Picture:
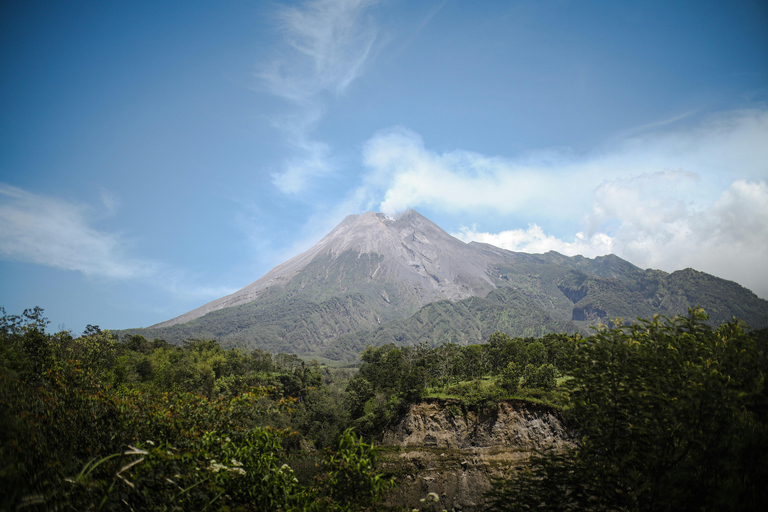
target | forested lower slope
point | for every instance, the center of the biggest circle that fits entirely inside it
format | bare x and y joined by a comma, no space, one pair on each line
579,303
98,421
670,414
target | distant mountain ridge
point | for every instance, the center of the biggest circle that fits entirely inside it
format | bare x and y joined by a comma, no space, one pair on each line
375,279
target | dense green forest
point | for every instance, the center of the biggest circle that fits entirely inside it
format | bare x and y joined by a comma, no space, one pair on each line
670,414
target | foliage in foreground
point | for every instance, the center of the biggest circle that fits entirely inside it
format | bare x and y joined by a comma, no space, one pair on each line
75,437
672,416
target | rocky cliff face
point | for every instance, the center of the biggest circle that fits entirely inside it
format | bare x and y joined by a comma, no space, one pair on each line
440,448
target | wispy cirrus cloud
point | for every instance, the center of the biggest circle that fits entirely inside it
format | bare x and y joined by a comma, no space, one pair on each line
691,197
324,48
59,234
109,200
311,159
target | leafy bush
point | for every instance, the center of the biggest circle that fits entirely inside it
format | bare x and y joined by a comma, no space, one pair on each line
541,377
672,416
86,425
510,377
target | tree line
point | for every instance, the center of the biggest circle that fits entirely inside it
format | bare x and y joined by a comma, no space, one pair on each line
670,414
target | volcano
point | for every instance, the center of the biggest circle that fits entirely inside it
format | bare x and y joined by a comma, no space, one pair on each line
376,279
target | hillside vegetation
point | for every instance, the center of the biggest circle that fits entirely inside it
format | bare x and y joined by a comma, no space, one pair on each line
552,300
671,415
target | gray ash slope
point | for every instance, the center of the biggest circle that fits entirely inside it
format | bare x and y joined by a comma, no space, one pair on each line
422,261
375,280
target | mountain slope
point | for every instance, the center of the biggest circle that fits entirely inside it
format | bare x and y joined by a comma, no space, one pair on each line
366,254
522,311
375,279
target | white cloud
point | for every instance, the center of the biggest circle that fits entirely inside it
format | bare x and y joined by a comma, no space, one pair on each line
693,197
558,183
411,175
729,238
326,44
58,234
534,240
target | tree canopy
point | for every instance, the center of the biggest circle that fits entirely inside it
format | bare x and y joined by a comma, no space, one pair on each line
671,415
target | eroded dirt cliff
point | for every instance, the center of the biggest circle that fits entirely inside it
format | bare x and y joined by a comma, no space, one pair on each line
439,447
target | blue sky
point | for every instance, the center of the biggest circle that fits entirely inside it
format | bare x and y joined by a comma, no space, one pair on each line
158,155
